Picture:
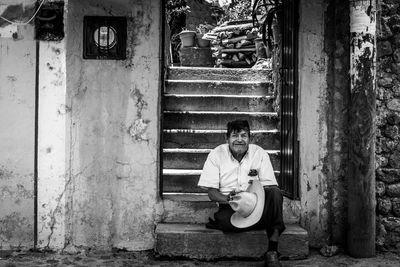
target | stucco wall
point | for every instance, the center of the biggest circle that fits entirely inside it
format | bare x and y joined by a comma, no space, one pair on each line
337,47
312,123
113,106
323,119
17,120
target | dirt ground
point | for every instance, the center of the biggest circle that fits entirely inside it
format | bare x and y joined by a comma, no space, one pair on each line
147,258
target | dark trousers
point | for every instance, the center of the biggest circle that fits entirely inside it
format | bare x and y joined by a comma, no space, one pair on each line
271,219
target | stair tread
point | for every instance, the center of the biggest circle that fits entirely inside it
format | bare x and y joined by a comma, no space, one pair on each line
203,150
216,81
187,228
196,241
214,131
217,95
266,113
189,197
186,171
211,68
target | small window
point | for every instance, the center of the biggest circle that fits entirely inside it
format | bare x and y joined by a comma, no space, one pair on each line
104,37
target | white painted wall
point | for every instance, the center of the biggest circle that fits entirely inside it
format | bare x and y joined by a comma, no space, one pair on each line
17,122
312,122
112,198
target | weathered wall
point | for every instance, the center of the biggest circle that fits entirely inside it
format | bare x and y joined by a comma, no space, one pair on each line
312,122
388,123
337,47
17,120
112,198
323,118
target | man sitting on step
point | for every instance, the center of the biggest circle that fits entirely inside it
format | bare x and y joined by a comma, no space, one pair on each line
240,178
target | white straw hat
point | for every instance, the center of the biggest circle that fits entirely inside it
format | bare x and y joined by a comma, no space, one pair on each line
248,206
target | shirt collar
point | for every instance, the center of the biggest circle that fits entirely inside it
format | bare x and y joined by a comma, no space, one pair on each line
233,158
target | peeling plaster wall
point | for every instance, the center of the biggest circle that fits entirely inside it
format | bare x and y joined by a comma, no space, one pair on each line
17,120
337,47
313,128
112,196
324,97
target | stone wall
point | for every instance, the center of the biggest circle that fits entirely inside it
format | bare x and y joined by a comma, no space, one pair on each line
388,123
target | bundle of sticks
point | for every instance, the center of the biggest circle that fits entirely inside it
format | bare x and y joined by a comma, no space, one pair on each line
233,43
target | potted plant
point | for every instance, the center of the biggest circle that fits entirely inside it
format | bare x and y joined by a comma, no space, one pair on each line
201,30
187,38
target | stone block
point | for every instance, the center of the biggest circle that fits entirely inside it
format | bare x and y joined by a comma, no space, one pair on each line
384,49
386,82
396,206
393,22
384,206
388,145
219,74
381,161
396,40
391,131
393,190
394,159
396,55
196,57
394,104
393,118
388,175
380,188
385,31
197,242
392,239
391,224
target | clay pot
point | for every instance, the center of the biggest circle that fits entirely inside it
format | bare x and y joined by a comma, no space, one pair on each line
202,42
187,38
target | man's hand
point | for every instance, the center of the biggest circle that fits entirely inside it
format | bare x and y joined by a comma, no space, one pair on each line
231,195
216,195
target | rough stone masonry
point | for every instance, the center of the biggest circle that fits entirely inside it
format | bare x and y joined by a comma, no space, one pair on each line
388,123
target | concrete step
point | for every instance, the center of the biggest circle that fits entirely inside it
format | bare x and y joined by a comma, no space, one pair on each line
203,120
227,74
220,87
184,102
179,158
197,242
185,180
195,208
182,138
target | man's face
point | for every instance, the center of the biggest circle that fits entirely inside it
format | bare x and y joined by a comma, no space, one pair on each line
239,142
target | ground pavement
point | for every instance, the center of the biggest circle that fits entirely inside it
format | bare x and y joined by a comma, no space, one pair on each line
146,258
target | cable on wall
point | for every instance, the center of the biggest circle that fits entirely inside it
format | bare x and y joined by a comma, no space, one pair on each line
27,22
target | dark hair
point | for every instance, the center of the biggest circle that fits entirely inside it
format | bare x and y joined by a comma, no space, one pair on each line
237,126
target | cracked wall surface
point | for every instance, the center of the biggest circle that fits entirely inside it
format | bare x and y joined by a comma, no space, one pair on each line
313,129
111,199
17,120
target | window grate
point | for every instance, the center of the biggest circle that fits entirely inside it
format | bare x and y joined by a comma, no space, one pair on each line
289,181
104,37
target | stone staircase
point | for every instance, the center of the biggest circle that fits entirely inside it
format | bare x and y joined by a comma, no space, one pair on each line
198,103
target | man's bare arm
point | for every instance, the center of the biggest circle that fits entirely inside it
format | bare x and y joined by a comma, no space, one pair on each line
216,195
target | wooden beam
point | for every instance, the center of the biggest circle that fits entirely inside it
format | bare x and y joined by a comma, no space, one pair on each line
361,176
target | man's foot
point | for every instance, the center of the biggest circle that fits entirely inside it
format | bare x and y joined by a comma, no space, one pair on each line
271,259
212,224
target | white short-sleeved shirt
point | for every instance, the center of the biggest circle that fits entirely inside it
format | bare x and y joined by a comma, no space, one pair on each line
222,171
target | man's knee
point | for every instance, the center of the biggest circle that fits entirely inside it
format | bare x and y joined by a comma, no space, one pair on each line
273,193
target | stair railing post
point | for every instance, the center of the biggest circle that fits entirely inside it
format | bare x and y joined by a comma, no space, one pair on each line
361,174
